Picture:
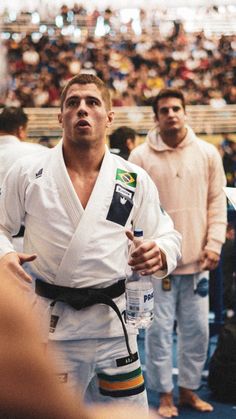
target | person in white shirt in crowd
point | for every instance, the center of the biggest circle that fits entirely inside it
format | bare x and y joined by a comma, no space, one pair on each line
13,132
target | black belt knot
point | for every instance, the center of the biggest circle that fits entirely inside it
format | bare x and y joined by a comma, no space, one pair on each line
80,298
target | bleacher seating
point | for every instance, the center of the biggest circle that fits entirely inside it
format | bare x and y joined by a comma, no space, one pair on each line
203,119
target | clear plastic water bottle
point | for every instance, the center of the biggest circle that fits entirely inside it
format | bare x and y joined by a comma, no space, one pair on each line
138,292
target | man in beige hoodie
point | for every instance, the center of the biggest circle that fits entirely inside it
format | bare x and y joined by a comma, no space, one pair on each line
189,175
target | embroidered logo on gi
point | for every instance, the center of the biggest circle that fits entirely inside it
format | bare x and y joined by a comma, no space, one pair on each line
53,323
39,173
124,192
127,178
127,360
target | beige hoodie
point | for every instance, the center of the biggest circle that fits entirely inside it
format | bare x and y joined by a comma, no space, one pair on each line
189,179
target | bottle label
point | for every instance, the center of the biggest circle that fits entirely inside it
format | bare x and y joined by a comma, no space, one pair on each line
139,300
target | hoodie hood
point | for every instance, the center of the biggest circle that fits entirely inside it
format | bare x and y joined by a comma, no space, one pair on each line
155,141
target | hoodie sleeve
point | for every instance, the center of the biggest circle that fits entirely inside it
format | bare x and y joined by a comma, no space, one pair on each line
216,206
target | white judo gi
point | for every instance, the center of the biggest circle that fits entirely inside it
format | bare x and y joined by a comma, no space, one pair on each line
11,150
79,248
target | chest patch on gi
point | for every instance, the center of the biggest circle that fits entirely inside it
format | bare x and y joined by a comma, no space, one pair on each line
121,205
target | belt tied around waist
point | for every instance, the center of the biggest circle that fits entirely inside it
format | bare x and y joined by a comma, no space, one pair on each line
79,298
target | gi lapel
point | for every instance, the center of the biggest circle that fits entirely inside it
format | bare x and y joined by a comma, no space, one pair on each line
85,220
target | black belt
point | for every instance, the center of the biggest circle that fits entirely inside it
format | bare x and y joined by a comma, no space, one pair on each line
79,298
20,232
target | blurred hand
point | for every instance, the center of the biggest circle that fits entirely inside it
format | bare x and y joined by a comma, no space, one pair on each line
11,265
147,257
209,260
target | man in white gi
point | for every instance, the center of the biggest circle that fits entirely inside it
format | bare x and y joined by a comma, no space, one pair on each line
77,202
189,176
13,129
25,368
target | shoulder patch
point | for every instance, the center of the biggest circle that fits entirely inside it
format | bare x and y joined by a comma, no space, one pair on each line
128,178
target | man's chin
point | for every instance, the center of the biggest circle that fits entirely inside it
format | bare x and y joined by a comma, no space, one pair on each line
172,129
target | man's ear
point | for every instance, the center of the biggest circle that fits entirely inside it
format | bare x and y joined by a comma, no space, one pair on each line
155,118
21,132
60,119
130,143
110,118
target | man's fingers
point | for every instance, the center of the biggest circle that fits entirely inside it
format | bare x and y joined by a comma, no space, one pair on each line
24,257
147,266
129,234
12,262
150,267
144,252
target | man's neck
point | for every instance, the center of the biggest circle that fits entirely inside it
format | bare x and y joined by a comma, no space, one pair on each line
83,166
83,160
4,133
173,138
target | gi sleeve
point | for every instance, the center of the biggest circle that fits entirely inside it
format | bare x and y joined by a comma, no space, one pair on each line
11,208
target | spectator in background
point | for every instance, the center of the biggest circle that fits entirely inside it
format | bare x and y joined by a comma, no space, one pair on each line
136,67
13,131
189,175
122,141
228,271
228,152
45,141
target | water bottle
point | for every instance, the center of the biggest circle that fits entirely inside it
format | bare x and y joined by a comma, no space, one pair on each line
138,292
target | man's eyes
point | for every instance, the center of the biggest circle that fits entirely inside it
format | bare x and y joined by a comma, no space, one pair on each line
89,102
93,102
166,110
72,102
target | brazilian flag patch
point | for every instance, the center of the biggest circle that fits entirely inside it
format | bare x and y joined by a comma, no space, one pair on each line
129,179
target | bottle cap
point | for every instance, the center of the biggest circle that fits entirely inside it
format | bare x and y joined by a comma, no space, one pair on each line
138,232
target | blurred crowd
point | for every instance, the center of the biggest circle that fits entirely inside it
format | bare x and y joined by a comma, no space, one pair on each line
227,149
131,60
